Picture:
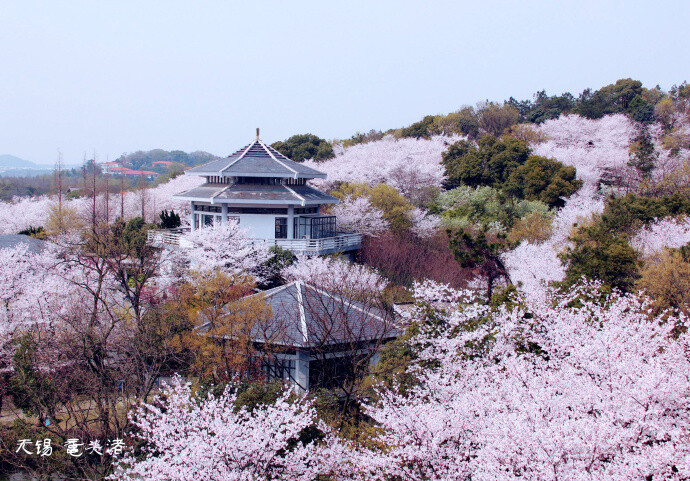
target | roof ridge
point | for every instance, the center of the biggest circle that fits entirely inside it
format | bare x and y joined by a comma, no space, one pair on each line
261,142
240,157
296,194
302,314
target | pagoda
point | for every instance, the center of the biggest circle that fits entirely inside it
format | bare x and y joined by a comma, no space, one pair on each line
267,194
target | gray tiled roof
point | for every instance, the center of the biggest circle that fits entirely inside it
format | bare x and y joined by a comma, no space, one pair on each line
306,316
252,193
35,245
257,160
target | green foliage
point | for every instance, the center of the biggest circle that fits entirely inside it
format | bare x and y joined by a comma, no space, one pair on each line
542,179
280,259
130,237
485,207
256,394
489,163
360,138
495,119
169,220
600,253
506,164
305,146
643,155
482,253
627,214
394,205
507,296
32,391
462,122
601,249
641,110
37,232
611,99
419,130
143,160
543,107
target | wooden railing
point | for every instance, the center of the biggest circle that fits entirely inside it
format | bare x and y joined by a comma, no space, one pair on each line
341,242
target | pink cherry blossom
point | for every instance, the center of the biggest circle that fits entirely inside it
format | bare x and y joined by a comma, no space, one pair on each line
602,393
210,439
223,246
666,233
386,160
334,274
358,215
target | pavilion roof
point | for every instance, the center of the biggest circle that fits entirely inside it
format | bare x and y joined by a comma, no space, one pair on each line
257,194
256,160
307,316
34,245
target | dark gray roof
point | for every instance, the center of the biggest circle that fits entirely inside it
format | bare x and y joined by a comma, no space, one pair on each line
306,316
257,160
259,194
35,245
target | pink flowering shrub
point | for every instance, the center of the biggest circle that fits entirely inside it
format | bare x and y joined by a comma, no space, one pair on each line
405,163
223,246
358,215
24,212
334,274
191,439
596,391
666,233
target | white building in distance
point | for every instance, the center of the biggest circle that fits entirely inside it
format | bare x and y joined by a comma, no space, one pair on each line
267,193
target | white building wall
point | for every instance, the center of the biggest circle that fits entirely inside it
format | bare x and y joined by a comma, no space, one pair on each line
260,226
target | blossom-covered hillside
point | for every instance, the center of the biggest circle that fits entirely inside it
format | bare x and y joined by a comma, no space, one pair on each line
26,212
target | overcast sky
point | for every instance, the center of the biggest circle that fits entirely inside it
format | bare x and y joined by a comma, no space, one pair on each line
120,76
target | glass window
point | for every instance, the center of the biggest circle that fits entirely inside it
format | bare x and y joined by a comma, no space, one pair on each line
315,227
281,227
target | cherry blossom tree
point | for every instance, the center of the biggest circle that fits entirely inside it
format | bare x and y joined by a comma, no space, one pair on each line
334,274
424,225
389,160
548,390
186,438
224,246
666,233
358,215
24,212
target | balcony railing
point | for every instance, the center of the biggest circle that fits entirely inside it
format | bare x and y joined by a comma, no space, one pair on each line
342,242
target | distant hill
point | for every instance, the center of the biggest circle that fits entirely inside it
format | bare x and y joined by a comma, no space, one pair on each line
12,162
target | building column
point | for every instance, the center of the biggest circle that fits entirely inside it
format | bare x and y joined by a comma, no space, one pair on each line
192,217
291,222
302,372
224,214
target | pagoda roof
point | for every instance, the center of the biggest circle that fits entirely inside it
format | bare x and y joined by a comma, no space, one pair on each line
257,194
256,160
308,316
34,245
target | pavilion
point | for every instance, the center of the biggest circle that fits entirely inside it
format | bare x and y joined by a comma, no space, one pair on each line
315,337
267,193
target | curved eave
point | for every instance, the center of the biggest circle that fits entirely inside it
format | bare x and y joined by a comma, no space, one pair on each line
255,201
257,174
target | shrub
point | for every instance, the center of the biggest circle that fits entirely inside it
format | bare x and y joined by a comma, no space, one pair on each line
534,228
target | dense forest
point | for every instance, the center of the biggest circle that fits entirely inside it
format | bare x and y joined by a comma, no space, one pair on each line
534,255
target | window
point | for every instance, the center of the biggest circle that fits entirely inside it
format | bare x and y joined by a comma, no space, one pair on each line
281,227
278,370
315,227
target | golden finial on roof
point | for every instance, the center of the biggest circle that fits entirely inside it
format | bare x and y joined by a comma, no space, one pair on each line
257,133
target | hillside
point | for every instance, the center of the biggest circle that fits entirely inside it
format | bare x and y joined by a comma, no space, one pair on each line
12,162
